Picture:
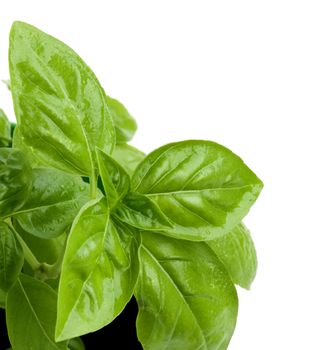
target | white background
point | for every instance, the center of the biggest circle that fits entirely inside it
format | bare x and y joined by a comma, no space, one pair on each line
236,72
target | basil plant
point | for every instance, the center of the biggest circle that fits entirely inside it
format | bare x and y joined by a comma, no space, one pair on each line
88,221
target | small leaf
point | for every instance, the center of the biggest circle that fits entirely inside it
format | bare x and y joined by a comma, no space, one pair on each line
31,315
125,124
11,258
53,202
76,344
237,253
128,156
5,130
203,188
115,180
185,296
59,104
15,180
99,271
139,211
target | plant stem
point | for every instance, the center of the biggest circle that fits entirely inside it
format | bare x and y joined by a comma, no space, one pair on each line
28,254
93,185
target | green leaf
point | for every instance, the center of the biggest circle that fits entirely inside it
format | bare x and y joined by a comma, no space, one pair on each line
53,202
59,104
5,130
15,180
11,258
203,188
115,180
45,250
128,156
3,296
139,211
237,253
125,124
185,296
99,271
31,315
76,344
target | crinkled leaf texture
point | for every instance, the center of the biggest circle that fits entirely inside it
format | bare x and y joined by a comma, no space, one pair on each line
15,180
31,315
128,156
185,296
60,106
203,188
99,271
237,252
54,200
11,258
125,124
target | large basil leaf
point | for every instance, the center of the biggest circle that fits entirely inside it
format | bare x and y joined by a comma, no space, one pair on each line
11,257
31,315
5,130
128,156
115,180
125,124
185,296
53,202
236,251
139,211
99,271
15,180
59,103
202,187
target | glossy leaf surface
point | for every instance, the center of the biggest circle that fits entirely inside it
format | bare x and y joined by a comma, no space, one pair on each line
185,296
115,180
59,104
31,315
125,124
202,187
236,251
99,272
5,130
11,257
53,202
128,156
140,211
15,180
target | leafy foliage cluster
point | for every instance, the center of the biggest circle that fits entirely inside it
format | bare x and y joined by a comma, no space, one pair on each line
88,220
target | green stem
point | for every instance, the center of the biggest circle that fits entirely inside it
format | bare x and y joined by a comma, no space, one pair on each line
28,254
93,186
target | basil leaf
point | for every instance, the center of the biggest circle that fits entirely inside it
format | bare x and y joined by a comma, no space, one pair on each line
128,156
3,297
11,257
5,130
15,180
76,344
45,250
53,202
201,301
125,124
31,315
139,211
29,152
115,180
99,271
59,104
203,188
237,253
